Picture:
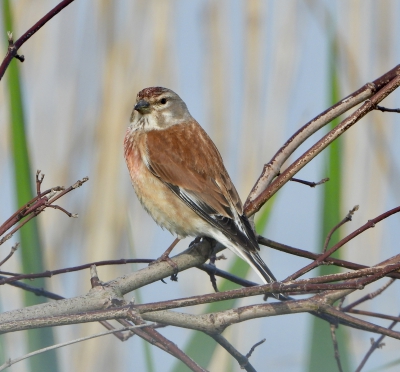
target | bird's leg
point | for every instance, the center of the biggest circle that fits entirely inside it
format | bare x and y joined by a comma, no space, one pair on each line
165,256
213,253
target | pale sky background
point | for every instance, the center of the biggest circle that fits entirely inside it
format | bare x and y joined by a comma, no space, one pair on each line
251,73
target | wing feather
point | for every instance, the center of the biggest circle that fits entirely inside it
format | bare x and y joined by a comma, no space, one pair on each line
185,159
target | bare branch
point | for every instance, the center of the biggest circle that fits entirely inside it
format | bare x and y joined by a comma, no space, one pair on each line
366,226
171,348
375,315
385,109
12,251
335,346
13,47
367,297
376,344
16,360
348,218
36,206
248,355
313,256
273,168
257,199
241,359
308,183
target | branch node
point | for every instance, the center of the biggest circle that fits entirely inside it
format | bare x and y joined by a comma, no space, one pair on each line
15,247
351,212
12,251
79,183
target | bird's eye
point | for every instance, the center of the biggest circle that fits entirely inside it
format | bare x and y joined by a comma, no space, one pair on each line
163,101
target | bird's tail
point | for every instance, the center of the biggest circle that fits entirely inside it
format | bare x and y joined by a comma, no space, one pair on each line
257,263
261,268
254,259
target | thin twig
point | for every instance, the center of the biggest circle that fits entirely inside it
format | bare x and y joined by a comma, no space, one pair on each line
375,315
12,251
20,213
385,109
171,348
35,206
16,360
348,218
366,226
241,359
358,323
335,346
13,47
39,181
308,183
375,345
248,355
313,256
368,296
35,290
49,274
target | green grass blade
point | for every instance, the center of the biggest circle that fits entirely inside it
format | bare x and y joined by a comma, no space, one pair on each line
200,347
29,236
321,356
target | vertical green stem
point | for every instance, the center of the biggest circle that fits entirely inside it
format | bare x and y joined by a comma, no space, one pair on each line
31,253
321,348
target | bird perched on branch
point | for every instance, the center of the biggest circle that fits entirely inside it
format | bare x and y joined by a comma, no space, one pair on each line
180,179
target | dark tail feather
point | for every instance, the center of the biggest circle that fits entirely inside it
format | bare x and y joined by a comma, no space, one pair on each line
263,269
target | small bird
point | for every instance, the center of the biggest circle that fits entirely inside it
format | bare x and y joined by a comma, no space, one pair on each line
180,178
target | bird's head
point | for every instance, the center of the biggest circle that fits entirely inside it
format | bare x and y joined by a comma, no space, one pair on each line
158,108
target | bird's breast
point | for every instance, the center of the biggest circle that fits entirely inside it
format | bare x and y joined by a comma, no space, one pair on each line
157,199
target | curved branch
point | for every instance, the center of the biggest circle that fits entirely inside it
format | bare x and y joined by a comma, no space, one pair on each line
254,205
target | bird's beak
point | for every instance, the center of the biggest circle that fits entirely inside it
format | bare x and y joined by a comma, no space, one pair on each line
142,106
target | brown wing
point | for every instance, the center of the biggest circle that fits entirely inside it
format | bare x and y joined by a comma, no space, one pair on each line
185,159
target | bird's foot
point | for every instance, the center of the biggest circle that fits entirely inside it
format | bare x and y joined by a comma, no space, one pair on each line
165,258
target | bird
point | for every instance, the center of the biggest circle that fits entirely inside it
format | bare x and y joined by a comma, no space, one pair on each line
180,179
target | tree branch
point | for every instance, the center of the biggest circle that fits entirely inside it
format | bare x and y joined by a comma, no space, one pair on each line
13,47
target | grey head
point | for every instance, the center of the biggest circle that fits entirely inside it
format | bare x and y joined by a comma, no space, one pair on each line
158,108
